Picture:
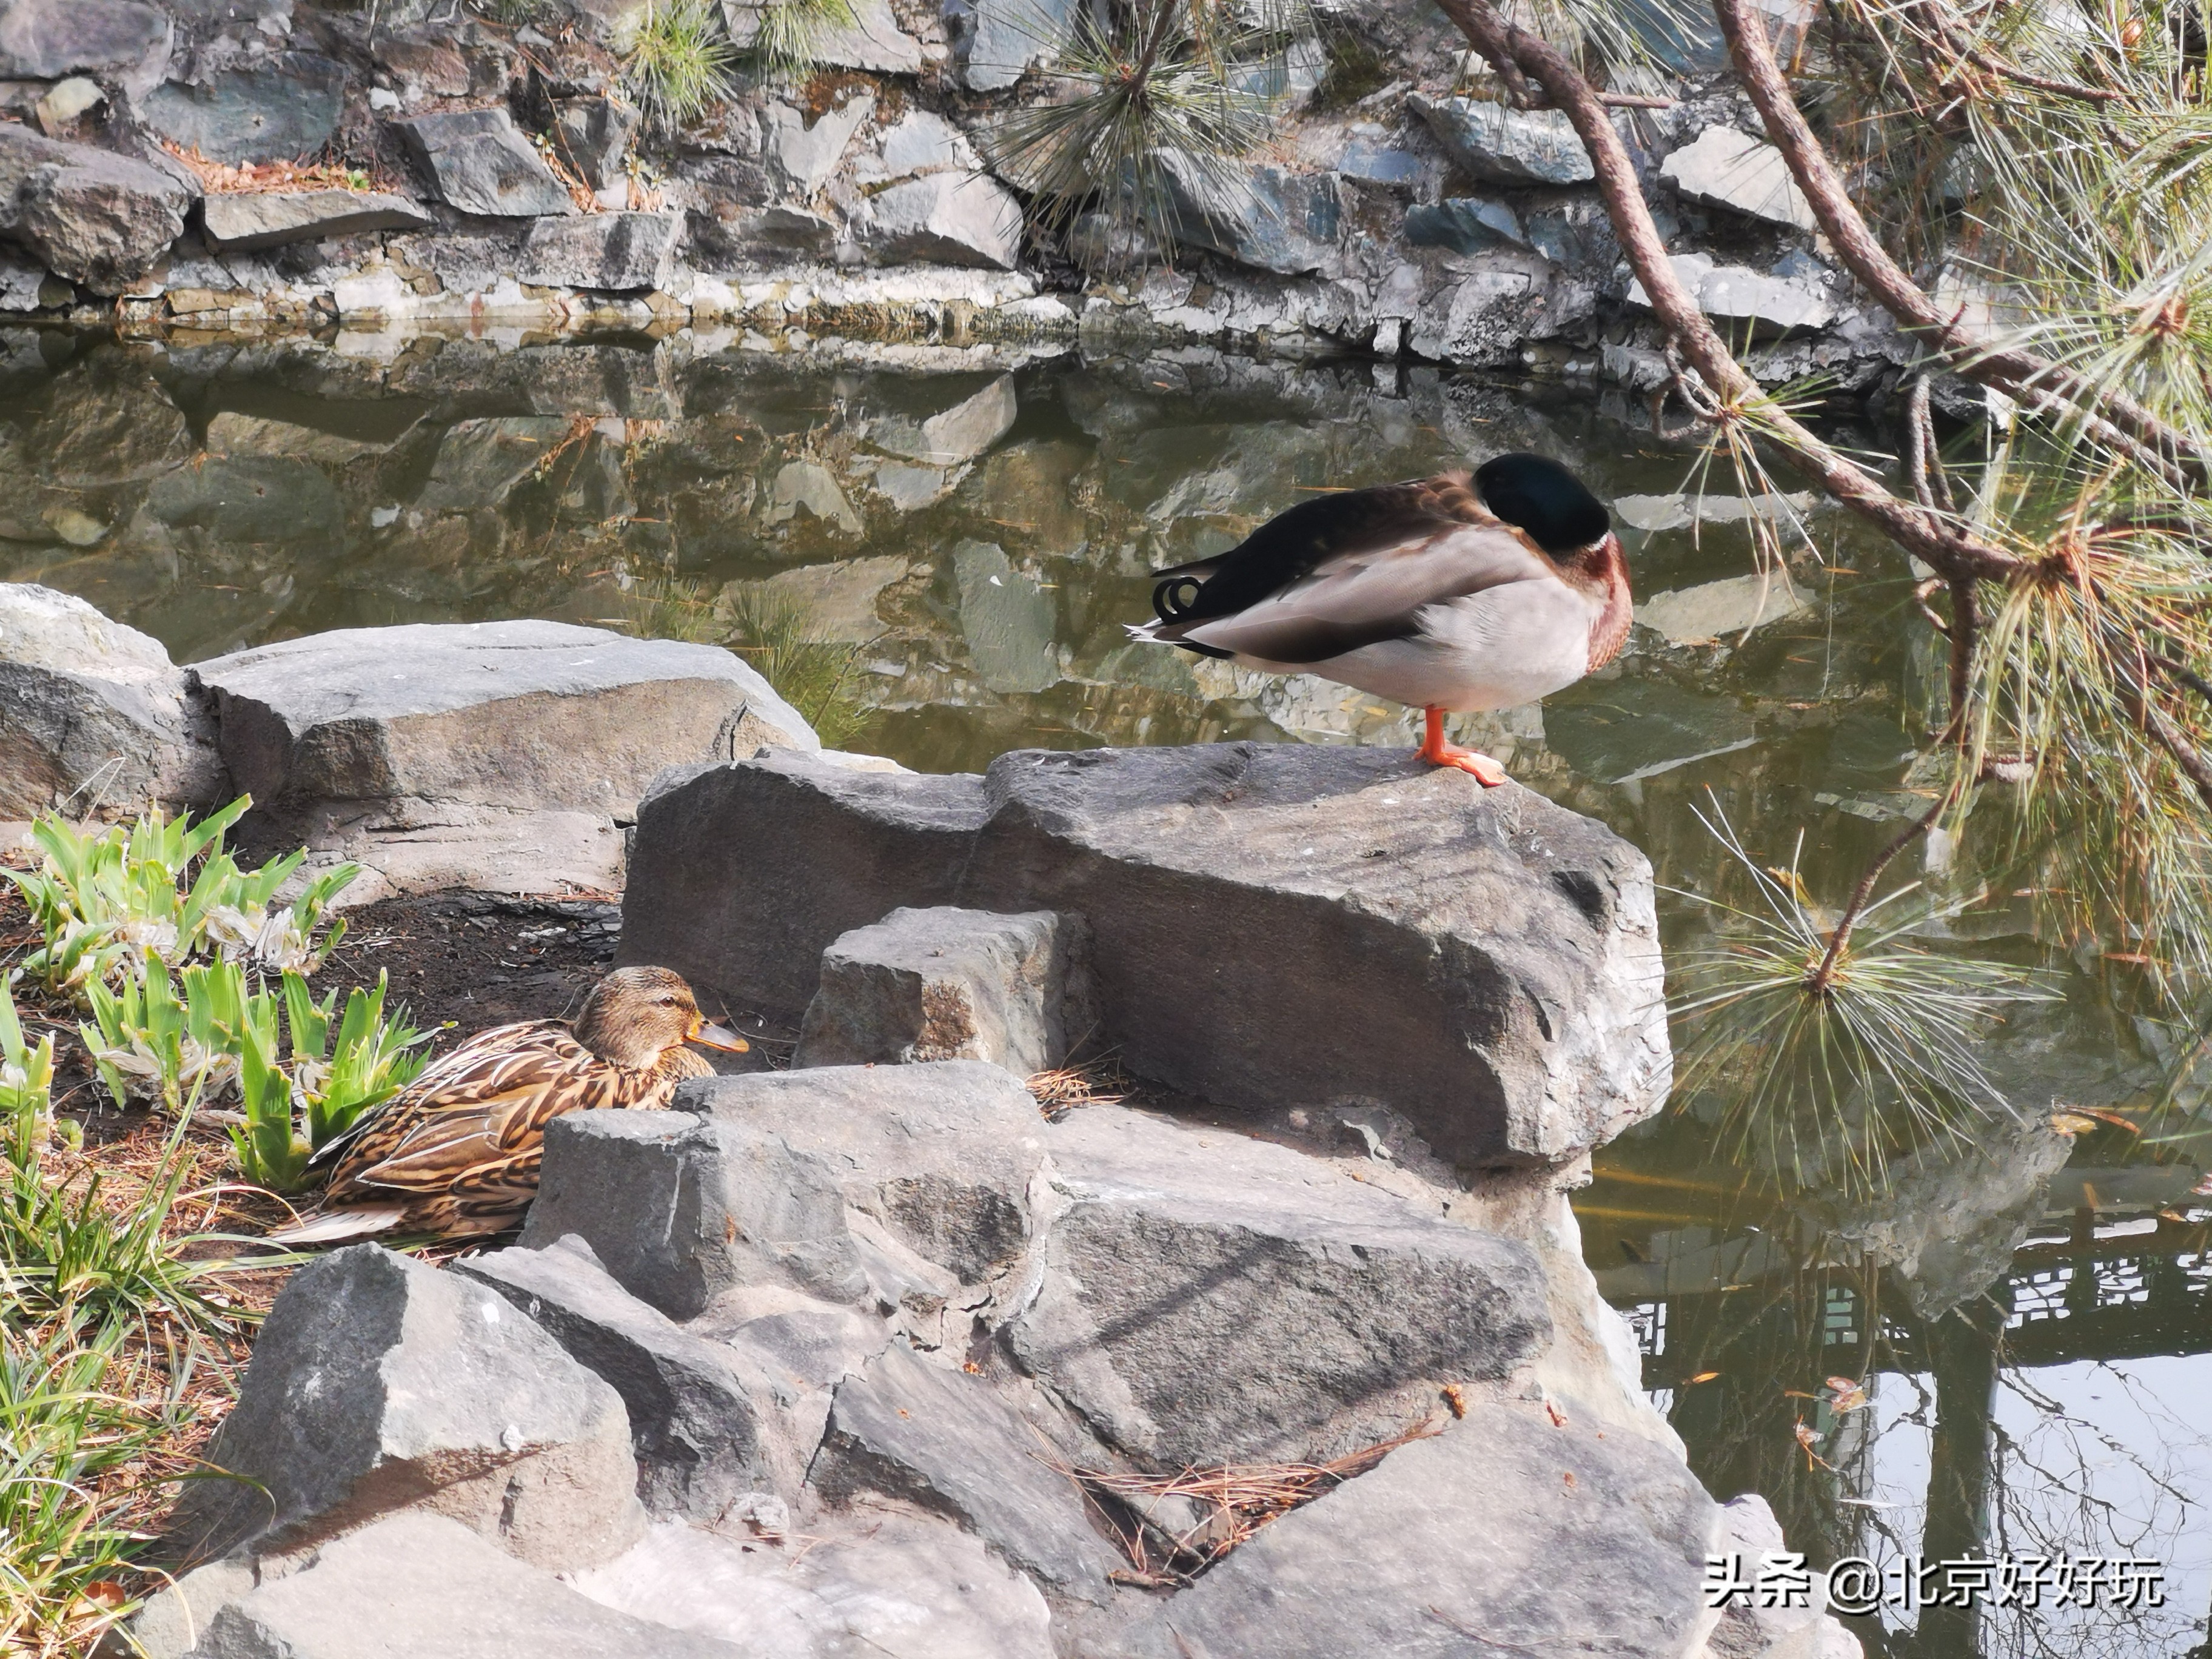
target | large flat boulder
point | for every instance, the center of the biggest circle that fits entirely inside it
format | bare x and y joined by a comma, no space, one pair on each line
379,1383
95,721
480,754
89,216
239,222
423,1587
1273,928
900,1188
1207,1299
1506,1534
477,162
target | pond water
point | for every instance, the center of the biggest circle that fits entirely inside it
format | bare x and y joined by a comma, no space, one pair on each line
2031,1319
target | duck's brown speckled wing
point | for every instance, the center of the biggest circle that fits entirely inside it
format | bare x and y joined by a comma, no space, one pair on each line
460,1146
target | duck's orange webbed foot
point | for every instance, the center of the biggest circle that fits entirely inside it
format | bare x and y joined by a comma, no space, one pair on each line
1435,750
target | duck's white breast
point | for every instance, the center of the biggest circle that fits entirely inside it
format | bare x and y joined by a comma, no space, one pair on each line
1496,649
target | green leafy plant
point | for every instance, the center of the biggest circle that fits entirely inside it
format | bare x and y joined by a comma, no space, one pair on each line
271,1151
164,1039
679,63
27,1087
103,902
371,1058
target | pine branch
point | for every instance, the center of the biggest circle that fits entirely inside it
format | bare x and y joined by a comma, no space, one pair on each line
1521,57
2116,419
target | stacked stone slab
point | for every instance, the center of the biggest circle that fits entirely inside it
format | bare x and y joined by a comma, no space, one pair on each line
1272,927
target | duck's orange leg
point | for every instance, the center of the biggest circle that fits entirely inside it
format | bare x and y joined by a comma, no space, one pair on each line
1435,750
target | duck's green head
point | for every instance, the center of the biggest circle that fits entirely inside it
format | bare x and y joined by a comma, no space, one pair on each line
1536,494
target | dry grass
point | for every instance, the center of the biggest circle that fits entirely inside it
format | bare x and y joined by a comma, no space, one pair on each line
1094,1083
1232,1501
222,179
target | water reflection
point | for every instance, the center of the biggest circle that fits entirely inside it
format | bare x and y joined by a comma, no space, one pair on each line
2030,1316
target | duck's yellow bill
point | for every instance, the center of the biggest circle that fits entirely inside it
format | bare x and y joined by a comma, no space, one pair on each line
721,1037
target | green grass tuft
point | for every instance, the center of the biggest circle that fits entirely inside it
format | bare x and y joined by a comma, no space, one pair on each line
678,64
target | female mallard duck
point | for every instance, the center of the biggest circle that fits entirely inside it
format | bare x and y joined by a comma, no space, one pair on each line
1456,592
456,1151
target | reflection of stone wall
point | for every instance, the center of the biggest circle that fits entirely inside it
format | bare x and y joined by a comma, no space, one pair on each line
496,175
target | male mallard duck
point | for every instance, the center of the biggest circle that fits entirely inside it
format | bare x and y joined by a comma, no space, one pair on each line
456,1151
1456,592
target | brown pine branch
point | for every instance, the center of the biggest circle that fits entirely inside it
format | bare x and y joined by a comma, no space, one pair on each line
1528,57
2116,419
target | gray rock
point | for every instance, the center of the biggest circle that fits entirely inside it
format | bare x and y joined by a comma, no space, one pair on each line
1508,146
1463,224
88,215
1486,318
917,142
616,251
1004,40
944,1441
28,287
1007,618
46,40
280,108
944,218
175,1617
379,1383
955,433
951,984
1504,1534
1774,305
776,235
595,136
1206,1298
1727,169
1746,1527
1499,978
421,1587
895,1583
696,1418
875,840
242,221
477,162
806,154
861,1185
1286,222
811,486
94,718
515,714
1374,162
